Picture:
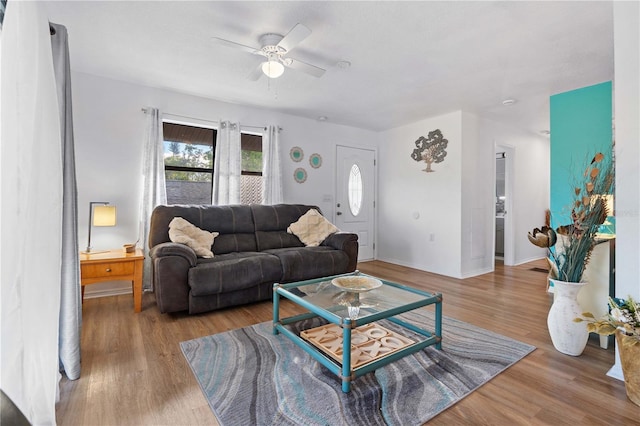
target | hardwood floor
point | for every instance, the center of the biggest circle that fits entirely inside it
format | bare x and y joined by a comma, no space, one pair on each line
133,372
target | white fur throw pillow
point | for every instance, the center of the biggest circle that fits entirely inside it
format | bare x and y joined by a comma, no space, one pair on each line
312,228
184,232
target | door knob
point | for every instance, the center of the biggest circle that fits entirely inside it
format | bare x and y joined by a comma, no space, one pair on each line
338,213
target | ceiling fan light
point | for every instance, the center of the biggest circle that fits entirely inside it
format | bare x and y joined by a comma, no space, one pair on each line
272,69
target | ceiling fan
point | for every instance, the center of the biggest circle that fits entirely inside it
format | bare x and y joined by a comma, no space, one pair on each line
275,48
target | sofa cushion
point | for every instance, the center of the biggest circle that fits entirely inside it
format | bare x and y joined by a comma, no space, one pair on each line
184,232
271,225
229,243
277,217
312,228
233,271
208,303
276,239
234,223
304,263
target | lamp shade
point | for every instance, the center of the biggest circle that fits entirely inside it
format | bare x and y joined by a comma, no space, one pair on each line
272,69
104,216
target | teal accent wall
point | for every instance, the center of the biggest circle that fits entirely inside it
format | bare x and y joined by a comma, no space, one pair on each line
580,127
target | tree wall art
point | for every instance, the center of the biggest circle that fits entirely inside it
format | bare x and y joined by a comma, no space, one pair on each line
431,149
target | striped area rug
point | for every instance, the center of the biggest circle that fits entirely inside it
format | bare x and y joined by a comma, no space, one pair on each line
251,377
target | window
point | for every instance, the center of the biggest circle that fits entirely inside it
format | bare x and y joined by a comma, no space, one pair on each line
251,179
354,188
188,163
3,7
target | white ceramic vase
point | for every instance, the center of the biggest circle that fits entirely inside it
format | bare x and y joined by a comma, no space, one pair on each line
568,336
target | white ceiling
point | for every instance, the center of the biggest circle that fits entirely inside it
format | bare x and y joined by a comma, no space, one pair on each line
410,60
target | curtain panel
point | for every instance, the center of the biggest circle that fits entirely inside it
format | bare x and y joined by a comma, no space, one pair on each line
70,292
227,165
154,190
31,214
271,166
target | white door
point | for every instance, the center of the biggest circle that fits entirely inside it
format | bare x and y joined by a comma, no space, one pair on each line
355,196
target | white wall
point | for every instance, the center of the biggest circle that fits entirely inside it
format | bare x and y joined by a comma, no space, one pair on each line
454,233
529,182
627,147
109,129
478,195
626,89
432,240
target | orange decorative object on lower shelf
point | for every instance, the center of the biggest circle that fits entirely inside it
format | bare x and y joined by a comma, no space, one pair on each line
368,342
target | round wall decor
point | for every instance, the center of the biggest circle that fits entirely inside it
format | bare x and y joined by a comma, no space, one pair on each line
296,154
315,160
300,175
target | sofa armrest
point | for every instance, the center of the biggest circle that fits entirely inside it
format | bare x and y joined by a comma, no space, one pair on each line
347,242
339,240
174,249
171,264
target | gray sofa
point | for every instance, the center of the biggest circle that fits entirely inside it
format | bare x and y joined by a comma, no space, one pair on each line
252,252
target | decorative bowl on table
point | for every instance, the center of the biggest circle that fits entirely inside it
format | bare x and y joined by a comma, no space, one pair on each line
356,284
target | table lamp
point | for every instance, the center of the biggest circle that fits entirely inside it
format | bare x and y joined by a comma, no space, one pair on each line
101,215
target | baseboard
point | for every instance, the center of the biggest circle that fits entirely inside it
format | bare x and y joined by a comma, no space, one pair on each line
616,370
115,288
532,259
478,272
413,266
106,293
402,263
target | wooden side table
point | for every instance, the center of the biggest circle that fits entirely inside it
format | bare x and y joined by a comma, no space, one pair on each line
114,265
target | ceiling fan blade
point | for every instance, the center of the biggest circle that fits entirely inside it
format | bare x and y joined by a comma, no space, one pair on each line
293,37
235,45
256,73
304,67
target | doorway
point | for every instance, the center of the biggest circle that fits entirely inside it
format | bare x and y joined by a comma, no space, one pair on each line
504,234
355,196
500,204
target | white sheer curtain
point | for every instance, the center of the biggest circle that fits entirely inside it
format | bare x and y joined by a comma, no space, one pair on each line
271,166
70,293
154,190
31,190
228,165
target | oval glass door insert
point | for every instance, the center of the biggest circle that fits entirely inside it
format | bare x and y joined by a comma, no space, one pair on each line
354,188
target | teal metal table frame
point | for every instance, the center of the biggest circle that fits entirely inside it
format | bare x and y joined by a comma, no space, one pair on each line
408,300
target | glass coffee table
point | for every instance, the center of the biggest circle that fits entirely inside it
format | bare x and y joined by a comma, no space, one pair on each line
352,344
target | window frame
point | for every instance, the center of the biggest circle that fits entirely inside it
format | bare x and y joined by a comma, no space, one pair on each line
172,168
188,169
247,172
